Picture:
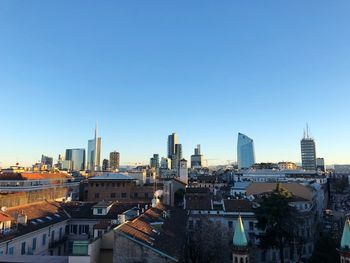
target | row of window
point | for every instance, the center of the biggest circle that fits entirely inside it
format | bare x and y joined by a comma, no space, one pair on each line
78,229
33,243
123,195
230,224
107,184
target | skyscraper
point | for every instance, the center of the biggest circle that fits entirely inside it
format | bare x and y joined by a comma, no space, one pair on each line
172,141
154,162
77,156
177,156
114,160
245,151
94,152
308,151
105,165
197,158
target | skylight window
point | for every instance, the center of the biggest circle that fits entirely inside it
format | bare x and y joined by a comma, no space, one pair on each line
33,222
40,220
49,217
57,215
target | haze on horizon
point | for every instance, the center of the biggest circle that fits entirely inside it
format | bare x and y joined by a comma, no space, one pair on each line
202,69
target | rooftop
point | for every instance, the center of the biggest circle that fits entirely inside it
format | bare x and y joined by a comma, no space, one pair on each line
298,190
112,176
163,233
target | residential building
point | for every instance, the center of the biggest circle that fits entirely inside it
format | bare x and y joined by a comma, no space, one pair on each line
77,157
158,235
114,160
287,166
183,171
245,152
116,186
45,160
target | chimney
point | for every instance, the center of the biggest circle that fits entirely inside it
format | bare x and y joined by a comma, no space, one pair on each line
121,218
22,219
146,207
154,202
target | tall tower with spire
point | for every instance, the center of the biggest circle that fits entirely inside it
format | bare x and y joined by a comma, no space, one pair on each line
345,243
94,152
240,251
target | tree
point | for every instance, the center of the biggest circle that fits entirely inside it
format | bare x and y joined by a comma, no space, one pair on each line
208,243
276,219
325,251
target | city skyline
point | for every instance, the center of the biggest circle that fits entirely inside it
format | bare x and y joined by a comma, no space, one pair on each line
147,71
210,161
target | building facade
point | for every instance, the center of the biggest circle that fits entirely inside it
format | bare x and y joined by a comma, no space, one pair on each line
94,153
77,156
245,152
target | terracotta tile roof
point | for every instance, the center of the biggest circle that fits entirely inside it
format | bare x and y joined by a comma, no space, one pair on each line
33,176
4,217
39,215
298,190
104,224
164,234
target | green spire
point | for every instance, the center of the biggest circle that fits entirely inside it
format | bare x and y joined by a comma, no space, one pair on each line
239,238
345,239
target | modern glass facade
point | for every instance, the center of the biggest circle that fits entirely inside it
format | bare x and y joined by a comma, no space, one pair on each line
77,156
94,153
245,152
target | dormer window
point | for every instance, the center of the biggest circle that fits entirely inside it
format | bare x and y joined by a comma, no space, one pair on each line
99,211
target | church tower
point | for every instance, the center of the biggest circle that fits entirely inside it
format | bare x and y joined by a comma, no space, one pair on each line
240,252
345,243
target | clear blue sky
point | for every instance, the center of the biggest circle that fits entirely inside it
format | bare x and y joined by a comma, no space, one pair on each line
204,69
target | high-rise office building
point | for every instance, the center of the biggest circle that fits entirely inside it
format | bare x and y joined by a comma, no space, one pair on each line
114,160
94,152
245,151
197,158
105,165
45,160
172,141
320,165
177,156
165,163
77,156
154,162
308,151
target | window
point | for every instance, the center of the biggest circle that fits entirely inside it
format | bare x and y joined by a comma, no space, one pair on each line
135,194
53,236
34,243
123,195
102,184
96,185
112,195
74,229
190,224
44,240
97,195
11,250
60,234
251,225
23,248
99,211
113,184
83,229
230,224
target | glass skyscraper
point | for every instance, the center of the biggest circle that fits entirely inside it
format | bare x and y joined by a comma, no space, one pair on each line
245,152
77,156
94,153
